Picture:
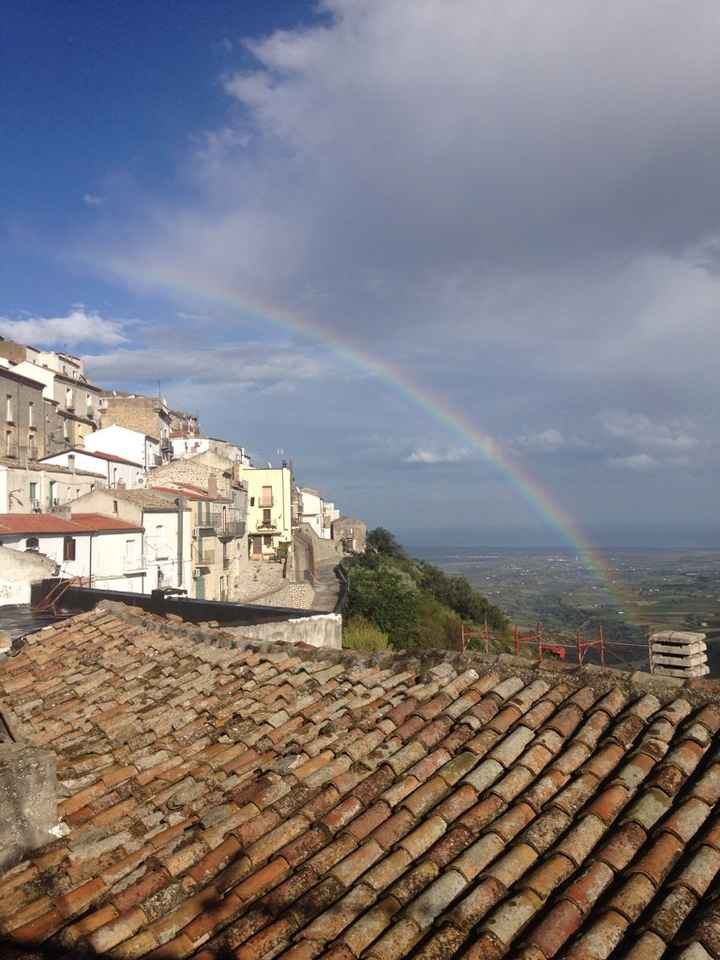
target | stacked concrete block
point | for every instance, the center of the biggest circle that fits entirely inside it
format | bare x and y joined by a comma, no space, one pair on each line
676,653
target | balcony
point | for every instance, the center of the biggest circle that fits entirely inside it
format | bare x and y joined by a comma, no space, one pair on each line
231,529
226,563
209,521
268,526
134,564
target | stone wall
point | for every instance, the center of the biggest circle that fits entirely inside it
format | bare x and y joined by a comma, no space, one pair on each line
193,471
323,630
135,413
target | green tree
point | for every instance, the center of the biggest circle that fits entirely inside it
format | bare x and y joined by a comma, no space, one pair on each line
383,542
381,596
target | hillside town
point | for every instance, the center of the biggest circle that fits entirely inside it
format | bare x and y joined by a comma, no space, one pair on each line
115,490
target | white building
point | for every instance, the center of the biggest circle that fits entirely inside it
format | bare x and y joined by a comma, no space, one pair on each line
165,559
131,445
43,487
185,446
116,471
102,551
312,511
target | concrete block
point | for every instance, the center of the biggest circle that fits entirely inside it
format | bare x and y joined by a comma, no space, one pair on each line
28,801
699,646
696,660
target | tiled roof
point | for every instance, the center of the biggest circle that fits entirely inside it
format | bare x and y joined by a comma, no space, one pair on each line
149,499
246,800
50,523
98,454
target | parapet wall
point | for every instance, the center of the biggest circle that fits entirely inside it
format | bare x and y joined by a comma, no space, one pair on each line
323,630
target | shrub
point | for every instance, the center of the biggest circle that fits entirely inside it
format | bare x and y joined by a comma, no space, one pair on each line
361,634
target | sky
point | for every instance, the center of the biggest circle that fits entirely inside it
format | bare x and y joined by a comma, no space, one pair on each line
316,224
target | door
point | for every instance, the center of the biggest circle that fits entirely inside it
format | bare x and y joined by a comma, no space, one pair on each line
200,588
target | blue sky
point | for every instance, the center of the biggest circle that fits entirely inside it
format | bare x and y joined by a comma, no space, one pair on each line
516,207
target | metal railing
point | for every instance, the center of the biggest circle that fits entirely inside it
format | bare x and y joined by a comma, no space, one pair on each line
209,521
231,529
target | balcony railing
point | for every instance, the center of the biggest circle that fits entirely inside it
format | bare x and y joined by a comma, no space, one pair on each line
206,558
231,529
134,564
209,521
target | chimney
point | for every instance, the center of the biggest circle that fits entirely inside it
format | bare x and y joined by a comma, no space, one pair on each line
28,798
212,486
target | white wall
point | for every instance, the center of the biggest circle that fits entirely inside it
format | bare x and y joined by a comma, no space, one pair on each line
18,572
160,542
99,557
130,444
184,447
114,473
312,510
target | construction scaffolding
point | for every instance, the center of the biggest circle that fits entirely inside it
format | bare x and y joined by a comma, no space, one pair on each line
528,641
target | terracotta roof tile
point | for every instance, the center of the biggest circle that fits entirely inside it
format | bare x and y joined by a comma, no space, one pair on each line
286,803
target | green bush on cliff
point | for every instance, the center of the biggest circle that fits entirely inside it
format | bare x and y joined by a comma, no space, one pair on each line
414,603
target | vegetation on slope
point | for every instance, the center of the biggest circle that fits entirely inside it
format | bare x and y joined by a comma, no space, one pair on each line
409,602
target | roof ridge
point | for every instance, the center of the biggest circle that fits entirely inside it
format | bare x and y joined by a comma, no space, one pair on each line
637,682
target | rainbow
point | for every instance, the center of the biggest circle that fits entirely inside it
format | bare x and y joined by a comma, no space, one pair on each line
438,408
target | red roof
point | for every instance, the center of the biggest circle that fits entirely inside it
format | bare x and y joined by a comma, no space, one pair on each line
33,523
96,453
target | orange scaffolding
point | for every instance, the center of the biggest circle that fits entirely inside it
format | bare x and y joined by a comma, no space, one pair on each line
538,638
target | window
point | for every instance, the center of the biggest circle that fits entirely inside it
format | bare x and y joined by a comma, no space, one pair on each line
267,518
115,506
266,499
9,447
33,492
267,541
32,544
69,548
66,430
31,414
9,408
252,501
69,401
51,494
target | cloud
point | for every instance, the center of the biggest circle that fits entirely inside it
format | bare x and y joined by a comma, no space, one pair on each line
546,441
80,325
452,455
250,366
643,430
639,462
93,200
508,202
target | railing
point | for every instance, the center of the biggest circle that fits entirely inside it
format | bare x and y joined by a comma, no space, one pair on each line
133,564
226,563
209,521
231,529
267,525
206,558
11,450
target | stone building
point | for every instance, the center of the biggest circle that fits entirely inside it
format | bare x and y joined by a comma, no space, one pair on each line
184,424
351,532
70,399
25,426
148,415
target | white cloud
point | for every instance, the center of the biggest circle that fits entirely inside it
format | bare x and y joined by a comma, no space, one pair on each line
638,462
80,325
643,430
452,455
251,365
93,200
